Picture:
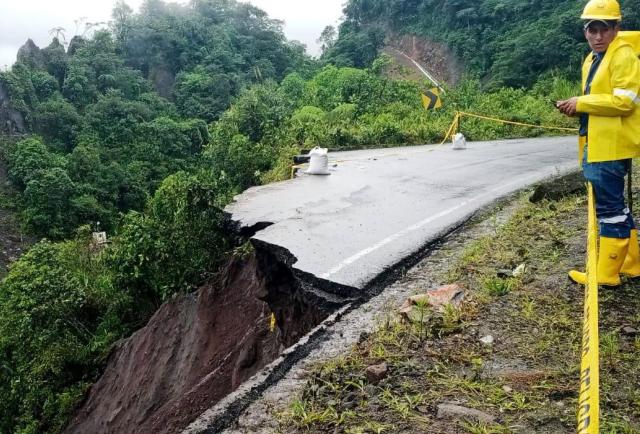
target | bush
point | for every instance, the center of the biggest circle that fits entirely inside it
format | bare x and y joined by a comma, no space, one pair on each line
28,157
179,238
59,316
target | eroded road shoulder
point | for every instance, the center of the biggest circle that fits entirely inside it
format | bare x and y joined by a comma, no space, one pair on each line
262,416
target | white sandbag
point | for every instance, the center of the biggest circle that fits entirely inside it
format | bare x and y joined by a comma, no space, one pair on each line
319,162
459,142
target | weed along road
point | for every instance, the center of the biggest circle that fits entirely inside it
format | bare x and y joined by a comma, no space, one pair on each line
378,207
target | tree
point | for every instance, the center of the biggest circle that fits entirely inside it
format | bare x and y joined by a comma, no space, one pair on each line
58,122
27,158
327,38
113,121
203,95
170,248
122,23
47,203
59,316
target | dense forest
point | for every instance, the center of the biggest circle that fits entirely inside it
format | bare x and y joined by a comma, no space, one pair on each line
146,129
503,42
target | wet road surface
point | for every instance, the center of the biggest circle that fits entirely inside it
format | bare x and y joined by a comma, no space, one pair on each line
380,206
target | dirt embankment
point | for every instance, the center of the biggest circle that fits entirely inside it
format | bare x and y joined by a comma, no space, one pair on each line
435,57
199,347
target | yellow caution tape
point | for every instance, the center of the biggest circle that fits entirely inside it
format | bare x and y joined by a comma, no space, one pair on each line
272,322
589,403
455,126
546,127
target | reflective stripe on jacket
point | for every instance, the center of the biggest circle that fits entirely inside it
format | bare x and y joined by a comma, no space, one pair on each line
612,105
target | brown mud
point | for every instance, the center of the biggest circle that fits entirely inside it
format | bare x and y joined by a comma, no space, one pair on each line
199,347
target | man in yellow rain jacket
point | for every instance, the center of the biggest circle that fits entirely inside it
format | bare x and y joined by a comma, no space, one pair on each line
609,137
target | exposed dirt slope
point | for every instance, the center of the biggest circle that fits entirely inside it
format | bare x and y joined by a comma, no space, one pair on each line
435,57
198,348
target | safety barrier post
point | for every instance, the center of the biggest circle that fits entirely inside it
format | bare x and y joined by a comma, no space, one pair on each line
589,403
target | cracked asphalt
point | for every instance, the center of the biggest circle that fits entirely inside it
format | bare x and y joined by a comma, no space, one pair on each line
378,207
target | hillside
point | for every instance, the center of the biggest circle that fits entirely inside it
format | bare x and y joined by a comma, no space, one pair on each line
12,241
506,43
146,130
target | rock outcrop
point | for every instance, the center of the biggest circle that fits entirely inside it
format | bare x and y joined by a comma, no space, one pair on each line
31,55
11,120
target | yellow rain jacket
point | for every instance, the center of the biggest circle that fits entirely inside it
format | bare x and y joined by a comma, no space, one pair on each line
614,102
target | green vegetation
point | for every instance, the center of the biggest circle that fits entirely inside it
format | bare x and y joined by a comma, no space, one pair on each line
63,305
147,130
506,42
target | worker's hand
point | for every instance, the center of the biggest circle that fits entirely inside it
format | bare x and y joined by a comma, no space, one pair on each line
568,106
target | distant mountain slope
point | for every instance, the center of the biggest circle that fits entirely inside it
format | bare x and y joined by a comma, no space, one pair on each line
435,57
506,42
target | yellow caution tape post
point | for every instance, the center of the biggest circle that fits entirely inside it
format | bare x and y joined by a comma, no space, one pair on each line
455,125
589,403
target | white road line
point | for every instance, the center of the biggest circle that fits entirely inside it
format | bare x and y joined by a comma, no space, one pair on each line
361,254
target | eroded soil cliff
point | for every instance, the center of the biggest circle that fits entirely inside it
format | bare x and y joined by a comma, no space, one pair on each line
199,347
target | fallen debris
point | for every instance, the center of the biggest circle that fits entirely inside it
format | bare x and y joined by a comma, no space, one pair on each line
376,373
487,340
564,186
629,331
452,411
437,299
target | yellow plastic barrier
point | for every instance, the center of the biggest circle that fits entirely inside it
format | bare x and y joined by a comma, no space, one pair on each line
589,403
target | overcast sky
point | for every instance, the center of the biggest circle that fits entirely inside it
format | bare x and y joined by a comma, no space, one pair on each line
23,19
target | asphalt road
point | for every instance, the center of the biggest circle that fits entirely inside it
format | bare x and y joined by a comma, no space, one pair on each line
380,206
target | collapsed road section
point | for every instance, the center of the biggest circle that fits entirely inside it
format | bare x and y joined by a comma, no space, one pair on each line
376,211
200,347
317,244
379,206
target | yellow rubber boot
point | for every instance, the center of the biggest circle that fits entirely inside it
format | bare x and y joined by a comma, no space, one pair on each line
611,256
631,265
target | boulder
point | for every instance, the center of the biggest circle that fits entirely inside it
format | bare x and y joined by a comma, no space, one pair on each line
376,373
435,299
